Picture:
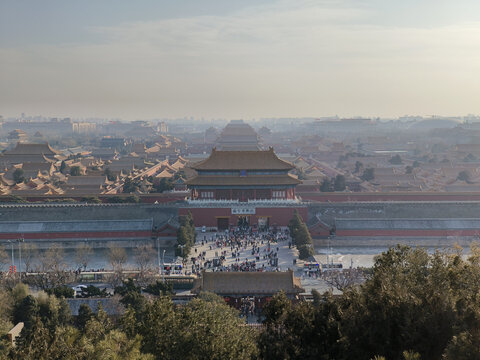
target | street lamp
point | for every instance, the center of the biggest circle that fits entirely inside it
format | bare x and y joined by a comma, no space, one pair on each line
158,254
183,259
163,262
20,241
13,259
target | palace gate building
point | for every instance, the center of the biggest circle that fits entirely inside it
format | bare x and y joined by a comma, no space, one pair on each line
235,188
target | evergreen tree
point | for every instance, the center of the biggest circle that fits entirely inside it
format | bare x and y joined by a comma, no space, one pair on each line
326,185
339,183
18,175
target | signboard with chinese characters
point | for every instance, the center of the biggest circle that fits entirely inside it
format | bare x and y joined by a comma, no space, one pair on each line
242,210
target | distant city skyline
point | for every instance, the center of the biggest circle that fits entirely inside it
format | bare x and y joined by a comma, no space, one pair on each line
232,60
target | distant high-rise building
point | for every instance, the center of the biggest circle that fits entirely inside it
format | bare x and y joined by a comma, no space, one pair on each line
163,127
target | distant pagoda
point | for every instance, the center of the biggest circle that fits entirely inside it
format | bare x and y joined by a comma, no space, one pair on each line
238,136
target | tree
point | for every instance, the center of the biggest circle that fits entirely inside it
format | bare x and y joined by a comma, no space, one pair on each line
301,174
408,303
339,184
29,255
91,200
163,185
117,258
4,258
83,254
116,345
294,224
302,236
18,175
305,251
464,176
160,288
62,291
143,259
63,167
395,160
301,331
183,242
326,185
211,297
7,302
464,346
408,169
130,186
368,174
344,279
198,330
26,311
109,174
414,306
84,315
93,291
134,199
358,167
51,270
132,297
75,171
185,235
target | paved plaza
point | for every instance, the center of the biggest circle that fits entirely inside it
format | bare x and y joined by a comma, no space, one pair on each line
238,255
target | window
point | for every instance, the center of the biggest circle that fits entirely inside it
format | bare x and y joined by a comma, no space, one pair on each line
278,194
243,172
207,194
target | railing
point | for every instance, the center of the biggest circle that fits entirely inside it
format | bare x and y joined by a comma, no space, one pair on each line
250,202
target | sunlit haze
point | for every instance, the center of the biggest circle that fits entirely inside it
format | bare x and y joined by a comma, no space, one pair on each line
248,59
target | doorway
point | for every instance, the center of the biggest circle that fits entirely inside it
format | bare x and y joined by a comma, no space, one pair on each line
223,223
243,222
263,223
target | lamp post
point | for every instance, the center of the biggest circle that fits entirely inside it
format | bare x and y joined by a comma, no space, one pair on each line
13,259
163,262
20,241
158,255
183,259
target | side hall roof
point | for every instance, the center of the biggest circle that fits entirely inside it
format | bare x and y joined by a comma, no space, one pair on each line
28,149
251,283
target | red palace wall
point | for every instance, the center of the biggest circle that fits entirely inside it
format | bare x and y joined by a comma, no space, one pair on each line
279,216
387,196
79,235
407,233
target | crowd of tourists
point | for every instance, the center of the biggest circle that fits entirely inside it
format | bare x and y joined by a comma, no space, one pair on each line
239,250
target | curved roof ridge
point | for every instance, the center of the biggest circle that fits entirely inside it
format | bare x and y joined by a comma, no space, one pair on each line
243,160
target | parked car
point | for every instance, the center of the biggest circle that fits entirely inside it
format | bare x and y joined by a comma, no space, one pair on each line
78,289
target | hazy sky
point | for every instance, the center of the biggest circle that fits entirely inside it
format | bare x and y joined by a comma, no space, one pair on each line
239,59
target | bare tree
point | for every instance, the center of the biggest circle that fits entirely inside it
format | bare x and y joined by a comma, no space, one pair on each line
52,270
83,254
344,279
143,258
117,258
29,255
4,259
